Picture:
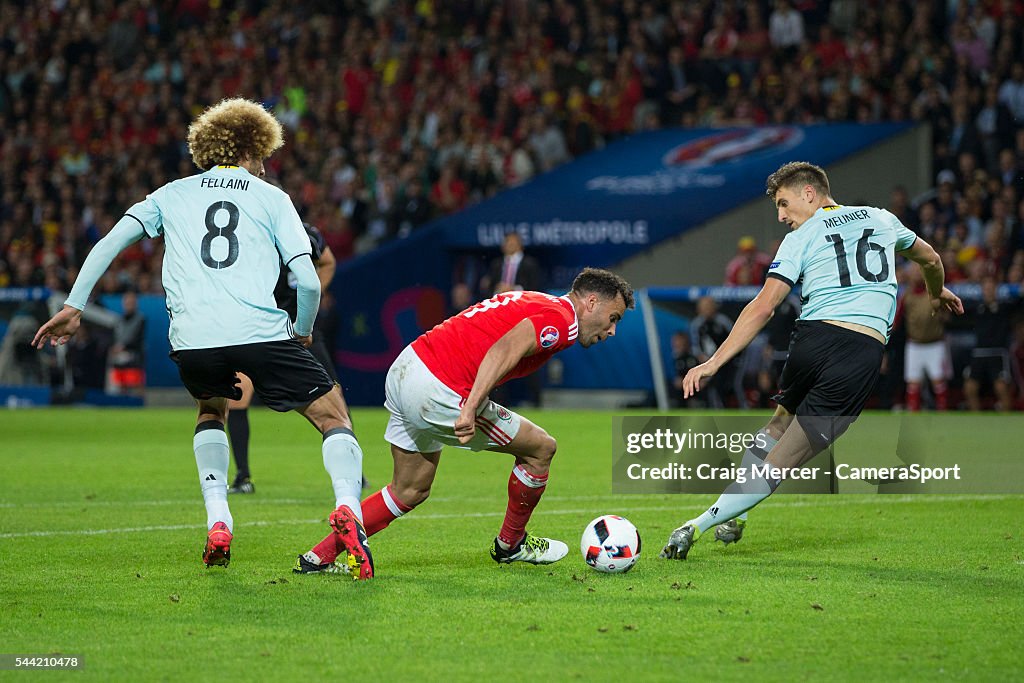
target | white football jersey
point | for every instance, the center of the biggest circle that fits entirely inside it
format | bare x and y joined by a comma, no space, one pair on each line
226,233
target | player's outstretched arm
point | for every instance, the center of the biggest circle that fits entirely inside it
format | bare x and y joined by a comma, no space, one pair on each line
925,256
58,329
516,344
61,327
752,320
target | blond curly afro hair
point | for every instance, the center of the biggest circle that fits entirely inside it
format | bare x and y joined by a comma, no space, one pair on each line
233,130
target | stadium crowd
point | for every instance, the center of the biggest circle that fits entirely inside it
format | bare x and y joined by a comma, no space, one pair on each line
399,111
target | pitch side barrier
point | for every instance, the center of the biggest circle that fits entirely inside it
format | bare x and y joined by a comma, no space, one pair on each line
737,297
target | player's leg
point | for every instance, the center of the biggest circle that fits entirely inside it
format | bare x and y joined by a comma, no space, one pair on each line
407,382
343,457
1002,382
210,445
972,389
210,378
743,494
343,460
842,367
533,449
913,375
286,376
938,370
238,433
323,355
764,441
422,411
411,480
796,375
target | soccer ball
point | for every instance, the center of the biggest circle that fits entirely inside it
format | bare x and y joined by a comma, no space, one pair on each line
610,544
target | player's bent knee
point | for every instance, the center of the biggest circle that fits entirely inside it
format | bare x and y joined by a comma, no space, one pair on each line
411,494
212,409
539,460
549,447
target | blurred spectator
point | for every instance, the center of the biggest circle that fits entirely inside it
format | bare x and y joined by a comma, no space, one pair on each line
748,266
514,270
786,28
415,209
683,359
1017,358
1011,93
776,349
20,363
708,329
899,206
927,354
989,369
87,357
127,356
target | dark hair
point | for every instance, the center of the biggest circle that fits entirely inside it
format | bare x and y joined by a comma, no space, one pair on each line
605,284
797,173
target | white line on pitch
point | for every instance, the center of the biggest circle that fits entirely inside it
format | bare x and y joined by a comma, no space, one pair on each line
427,516
486,499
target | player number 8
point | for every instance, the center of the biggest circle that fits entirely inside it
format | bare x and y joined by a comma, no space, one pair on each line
227,231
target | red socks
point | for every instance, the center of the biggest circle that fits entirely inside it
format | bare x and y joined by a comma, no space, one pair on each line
326,549
524,492
913,397
941,390
381,509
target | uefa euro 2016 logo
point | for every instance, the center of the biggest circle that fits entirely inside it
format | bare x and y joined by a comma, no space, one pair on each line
548,337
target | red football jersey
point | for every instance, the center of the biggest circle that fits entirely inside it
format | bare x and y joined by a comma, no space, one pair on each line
454,349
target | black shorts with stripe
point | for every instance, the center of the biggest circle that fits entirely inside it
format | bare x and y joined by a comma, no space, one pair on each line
284,374
828,377
320,352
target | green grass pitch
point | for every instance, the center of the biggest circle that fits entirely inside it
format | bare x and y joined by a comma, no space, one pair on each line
102,524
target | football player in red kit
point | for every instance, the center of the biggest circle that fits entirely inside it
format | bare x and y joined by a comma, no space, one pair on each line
437,394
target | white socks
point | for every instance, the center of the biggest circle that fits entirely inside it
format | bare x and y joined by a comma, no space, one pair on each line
738,498
212,455
343,460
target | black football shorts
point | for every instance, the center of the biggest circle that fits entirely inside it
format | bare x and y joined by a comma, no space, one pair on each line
284,374
828,377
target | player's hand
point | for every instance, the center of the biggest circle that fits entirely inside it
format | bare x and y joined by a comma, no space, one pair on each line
948,301
465,425
60,328
693,379
305,341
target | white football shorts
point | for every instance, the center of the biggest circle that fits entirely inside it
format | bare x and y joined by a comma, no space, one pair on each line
423,411
931,360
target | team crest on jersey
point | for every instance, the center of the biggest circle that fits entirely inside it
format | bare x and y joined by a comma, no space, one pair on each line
548,337
504,414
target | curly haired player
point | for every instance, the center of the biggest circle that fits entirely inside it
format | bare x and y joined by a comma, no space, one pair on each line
225,232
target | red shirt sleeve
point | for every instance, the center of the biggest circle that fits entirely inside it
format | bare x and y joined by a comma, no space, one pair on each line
550,328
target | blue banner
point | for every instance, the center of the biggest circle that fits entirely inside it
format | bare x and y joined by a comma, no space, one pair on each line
597,211
639,191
